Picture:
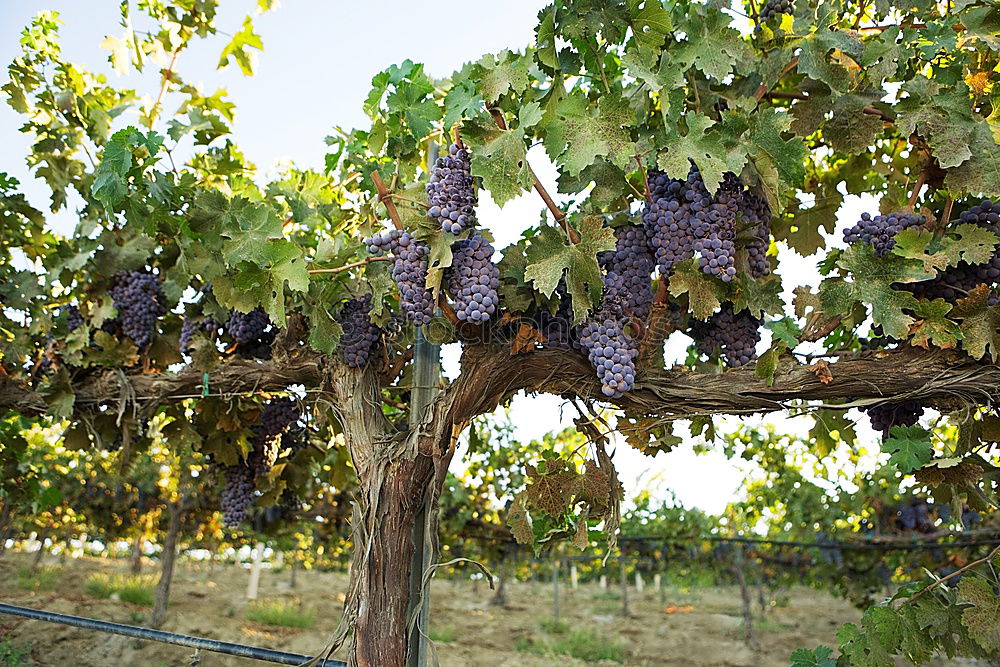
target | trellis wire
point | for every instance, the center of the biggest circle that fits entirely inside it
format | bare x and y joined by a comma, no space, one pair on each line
228,648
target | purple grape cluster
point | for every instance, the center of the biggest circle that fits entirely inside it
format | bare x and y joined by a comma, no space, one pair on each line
74,320
276,416
883,417
716,231
755,213
611,352
683,219
409,271
669,218
628,268
474,280
955,282
880,232
138,297
451,193
237,494
558,327
188,327
773,8
360,334
735,335
246,328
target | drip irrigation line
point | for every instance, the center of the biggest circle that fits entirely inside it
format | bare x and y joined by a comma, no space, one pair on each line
228,648
858,546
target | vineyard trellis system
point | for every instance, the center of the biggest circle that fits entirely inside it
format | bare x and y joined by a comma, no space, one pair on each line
148,634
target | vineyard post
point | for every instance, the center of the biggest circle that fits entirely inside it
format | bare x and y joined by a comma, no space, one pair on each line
623,576
739,567
254,584
555,586
169,556
426,376
574,579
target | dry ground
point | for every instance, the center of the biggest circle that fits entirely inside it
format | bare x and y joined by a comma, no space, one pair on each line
704,627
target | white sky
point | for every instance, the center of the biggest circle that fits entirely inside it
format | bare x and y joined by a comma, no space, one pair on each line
314,73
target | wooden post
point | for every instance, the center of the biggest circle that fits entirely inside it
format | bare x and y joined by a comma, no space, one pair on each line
167,568
574,581
604,582
555,587
639,583
135,556
254,584
623,576
295,568
739,566
41,549
658,585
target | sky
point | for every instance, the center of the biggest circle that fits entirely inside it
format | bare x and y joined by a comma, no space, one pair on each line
314,73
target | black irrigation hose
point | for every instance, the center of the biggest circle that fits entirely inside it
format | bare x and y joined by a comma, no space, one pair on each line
847,546
267,655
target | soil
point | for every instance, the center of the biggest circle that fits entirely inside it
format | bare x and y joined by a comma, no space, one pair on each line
672,627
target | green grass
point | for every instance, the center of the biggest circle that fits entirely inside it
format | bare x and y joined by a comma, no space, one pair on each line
583,645
279,612
135,589
12,655
39,579
443,635
554,626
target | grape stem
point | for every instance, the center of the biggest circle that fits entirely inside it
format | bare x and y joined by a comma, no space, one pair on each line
393,195
557,213
645,180
921,179
167,76
385,197
762,90
945,215
354,265
986,559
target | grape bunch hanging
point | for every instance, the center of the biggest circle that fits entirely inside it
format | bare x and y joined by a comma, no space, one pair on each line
627,269
409,272
733,334
887,415
880,232
451,192
138,297
360,336
252,332
276,417
474,280
773,8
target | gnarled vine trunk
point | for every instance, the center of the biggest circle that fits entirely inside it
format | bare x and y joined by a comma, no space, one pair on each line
167,568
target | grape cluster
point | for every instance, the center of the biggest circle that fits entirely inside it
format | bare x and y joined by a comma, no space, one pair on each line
955,282
248,327
188,327
558,327
237,494
74,320
883,417
880,232
409,271
451,193
756,214
683,219
628,267
474,280
773,8
138,296
915,515
733,334
360,334
611,352
278,414
668,218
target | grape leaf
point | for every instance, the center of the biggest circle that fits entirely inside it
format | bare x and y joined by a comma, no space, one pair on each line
507,71
549,257
983,618
580,133
861,649
980,323
817,657
909,447
704,292
968,242
785,329
703,145
238,49
981,173
830,427
499,158
788,156
650,23
519,521
933,327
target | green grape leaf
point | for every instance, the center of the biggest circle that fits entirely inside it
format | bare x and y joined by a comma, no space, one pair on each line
499,157
238,49
861,649
507,71
703,143
850,129
830,427
817,657
981,173
580,133
909,447
767,363
980,323
253,236
550,257
982,618
785,329
704,292
650,23
968,242
933,327
787,155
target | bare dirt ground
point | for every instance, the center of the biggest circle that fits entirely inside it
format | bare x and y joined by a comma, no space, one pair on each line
699,627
